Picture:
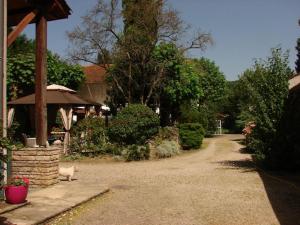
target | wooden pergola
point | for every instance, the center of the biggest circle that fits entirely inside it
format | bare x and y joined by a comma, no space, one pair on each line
20,13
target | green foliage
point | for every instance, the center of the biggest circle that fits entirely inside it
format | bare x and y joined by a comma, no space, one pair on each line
167,149
6,143
209,112
18,181
184,86
21,70
21,45
140,36
212,83
136,153
204,115
190,113
71,157
134,73
267,87
20,75
232,106
134,124
62,73
181,82
167,133
165,143
191,135
286,150
112,149
89,136
127,35
212,80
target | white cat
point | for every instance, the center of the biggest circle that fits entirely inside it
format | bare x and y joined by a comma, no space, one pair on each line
67,172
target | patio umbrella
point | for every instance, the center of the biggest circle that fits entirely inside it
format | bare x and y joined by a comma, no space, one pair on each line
59,95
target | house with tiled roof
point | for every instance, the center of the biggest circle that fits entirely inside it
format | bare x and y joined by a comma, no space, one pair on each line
95,86
294,83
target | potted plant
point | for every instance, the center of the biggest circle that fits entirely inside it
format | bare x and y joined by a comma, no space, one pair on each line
16,190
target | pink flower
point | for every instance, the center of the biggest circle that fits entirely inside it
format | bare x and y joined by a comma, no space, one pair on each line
26,180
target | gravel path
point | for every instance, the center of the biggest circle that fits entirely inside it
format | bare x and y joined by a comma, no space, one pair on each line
216,185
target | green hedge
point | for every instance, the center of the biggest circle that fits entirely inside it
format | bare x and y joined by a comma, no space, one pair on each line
134,124
191,135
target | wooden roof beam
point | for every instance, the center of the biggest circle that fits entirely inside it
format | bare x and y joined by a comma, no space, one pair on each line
25,10
20,27
60,6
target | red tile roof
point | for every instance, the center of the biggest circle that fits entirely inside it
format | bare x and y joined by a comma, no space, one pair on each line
294,83
94,74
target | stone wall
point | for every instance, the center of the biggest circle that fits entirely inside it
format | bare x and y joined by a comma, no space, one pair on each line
40,165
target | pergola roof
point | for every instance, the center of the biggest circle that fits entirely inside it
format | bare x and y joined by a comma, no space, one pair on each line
56,87
55,9
55,94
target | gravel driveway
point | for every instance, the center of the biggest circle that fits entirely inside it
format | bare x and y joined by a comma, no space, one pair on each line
217,185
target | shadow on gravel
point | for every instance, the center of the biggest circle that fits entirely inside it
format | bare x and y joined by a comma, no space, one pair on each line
282,188
244,151
3,221
283,191
241,140
243,165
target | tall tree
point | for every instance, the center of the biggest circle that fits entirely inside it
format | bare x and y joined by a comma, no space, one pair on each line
130,32
267,86
133,55
20,45
179,85
212,80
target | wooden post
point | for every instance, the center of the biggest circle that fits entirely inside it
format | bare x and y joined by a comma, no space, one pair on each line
3,55
41,81
3,51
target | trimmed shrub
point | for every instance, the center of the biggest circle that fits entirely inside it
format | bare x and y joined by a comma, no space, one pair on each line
167,149
136,153
134,124
191,135
89,136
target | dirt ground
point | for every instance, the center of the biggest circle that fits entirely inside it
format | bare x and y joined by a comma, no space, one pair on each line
218,185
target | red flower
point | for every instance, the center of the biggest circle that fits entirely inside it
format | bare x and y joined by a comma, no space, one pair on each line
26,180
18,181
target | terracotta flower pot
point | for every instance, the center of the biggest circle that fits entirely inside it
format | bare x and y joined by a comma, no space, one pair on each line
16,194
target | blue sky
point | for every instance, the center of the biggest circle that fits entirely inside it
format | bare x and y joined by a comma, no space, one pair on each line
242,30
